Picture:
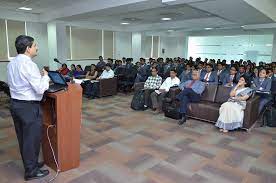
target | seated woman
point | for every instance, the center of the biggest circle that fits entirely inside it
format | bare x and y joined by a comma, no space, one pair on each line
63,70
93,73
79,72
73,69
231,113
262,84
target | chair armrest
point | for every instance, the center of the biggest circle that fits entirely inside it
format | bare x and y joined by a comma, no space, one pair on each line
139,86
251,112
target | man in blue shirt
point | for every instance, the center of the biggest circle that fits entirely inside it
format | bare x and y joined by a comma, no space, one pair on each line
191,92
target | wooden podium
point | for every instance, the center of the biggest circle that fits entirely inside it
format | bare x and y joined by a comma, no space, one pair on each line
62,109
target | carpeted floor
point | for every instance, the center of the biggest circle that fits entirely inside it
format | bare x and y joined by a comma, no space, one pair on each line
119,145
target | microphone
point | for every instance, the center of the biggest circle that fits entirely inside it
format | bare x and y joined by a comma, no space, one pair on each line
57,61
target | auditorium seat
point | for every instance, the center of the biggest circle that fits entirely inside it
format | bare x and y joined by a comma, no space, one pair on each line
108,87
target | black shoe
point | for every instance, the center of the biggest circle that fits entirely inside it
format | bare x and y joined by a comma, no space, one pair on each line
182,121
37,175
40,164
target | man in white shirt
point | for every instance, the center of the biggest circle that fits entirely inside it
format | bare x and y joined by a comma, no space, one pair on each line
27,86
107,74
158,96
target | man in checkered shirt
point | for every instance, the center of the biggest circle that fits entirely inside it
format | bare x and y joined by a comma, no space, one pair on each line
152,83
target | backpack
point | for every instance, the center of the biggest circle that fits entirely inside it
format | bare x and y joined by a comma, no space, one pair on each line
171,106
138,101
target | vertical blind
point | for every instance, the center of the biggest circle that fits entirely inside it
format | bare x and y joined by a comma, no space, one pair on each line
3,41
155,46
108,44
86,43
15,28
147,46
89,43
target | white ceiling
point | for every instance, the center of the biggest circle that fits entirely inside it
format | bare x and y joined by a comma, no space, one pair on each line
145,15
38,6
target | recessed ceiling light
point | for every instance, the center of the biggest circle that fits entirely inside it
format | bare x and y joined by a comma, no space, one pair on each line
242,26
166,18
124,23
25,8
208,28
170,30
268,45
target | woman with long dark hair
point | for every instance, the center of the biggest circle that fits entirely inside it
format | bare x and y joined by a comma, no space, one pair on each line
232,112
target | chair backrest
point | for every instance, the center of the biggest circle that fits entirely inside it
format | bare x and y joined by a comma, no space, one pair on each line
210,93
223,94
87,68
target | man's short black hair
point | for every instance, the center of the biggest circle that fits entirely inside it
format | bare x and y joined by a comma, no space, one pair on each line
22,42
108,65
174,70
210,65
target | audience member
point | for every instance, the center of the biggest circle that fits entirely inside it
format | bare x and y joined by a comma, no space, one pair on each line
262,84
210,76
231,113
142,71
158,95
63,70
274,74
107,73
110,61
152,83
73,69
201,70
231,78
93,73
241,72
191,92
101,64
221,72
186,74
78,72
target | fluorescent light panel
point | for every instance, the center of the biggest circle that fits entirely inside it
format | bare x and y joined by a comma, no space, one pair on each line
25,8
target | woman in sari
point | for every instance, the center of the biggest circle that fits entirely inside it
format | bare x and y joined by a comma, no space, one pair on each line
232,111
